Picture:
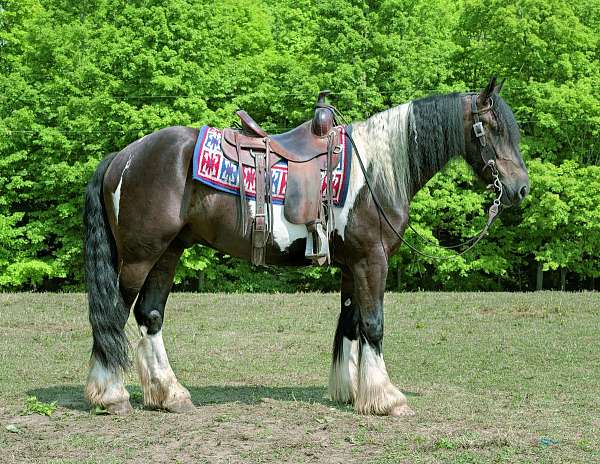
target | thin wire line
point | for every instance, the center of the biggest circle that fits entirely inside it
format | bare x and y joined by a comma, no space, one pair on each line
308,94
271,128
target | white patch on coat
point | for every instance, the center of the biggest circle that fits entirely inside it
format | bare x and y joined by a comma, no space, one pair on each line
284,232
116,196
348,302
382,143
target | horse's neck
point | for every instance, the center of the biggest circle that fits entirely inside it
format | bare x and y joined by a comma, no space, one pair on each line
407,145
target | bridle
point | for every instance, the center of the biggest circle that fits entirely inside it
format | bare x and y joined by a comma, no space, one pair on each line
488,155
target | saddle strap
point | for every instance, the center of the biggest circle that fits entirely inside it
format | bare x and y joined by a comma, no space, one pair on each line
269,188
331,149
243,200
333,152
259,226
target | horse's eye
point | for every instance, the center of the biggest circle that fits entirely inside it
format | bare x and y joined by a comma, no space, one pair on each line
493,122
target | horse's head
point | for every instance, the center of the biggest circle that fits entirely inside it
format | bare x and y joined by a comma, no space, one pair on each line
492,142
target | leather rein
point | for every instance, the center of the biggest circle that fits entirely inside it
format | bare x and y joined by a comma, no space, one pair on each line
488,155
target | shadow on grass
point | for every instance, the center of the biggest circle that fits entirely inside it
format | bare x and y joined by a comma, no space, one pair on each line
71,396
67,396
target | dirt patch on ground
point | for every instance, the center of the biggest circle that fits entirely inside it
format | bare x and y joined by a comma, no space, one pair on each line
267,431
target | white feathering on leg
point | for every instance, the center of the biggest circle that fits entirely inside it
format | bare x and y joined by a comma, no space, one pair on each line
343,374
160,386
376,394
104,387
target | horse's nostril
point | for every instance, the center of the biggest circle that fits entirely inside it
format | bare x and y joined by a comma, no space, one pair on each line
523,192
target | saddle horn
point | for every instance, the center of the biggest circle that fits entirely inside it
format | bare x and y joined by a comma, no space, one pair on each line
323,119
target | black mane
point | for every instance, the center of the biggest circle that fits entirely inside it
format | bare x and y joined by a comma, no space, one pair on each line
435,134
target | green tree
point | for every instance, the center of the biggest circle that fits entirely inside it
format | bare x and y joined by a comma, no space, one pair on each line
80,80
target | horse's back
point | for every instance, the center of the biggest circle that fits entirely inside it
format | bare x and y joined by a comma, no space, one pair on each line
166,152
145,184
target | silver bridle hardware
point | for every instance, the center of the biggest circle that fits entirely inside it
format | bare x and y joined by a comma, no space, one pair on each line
479,131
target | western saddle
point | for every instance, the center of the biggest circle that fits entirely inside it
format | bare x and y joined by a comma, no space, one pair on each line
310,148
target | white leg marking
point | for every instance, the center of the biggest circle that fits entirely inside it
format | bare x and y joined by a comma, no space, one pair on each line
160,386
343,381
104,387
376,394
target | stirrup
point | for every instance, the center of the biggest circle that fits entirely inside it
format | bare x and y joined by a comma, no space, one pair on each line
317,237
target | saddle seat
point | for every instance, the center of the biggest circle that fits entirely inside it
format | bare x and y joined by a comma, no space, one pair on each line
310,148
298,145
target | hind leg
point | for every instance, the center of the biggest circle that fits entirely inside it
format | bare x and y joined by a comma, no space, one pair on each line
160,386
105,387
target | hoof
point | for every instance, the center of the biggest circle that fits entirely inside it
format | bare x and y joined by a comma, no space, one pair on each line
120,409
402,411
180,407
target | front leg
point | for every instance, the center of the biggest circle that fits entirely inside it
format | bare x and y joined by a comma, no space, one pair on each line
375,393
343,376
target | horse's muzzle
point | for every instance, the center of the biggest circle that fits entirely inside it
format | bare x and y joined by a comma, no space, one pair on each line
515,193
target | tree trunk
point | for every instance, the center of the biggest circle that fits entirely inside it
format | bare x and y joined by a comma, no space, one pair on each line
540,277
200,281
563,278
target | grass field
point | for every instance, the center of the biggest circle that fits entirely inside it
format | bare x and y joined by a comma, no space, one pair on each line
492,377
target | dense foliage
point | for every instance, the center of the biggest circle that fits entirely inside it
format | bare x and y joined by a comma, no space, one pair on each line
81,79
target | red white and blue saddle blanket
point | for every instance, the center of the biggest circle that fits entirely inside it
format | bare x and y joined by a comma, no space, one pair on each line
212,168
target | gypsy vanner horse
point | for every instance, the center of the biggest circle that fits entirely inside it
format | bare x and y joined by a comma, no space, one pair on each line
143,209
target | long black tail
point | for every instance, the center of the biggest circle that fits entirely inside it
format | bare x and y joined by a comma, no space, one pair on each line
108,314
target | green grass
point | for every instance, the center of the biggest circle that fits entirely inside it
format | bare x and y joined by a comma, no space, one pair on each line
35,406
493,378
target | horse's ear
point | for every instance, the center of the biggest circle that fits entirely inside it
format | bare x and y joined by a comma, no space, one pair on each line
485,94
498,87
